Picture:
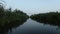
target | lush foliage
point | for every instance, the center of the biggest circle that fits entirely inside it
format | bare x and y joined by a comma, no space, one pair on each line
10,19
51,18
8,16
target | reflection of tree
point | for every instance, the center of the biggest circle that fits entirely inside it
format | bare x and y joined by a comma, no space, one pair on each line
58,28
4,29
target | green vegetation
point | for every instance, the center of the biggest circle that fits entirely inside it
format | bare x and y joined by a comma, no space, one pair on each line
7,15
48,18
10,19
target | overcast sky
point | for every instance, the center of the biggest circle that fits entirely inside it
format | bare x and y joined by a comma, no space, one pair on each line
34,6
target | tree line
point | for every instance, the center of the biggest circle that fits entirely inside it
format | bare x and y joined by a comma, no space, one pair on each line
48,18
7,15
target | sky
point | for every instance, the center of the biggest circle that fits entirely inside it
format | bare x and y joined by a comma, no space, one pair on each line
34,6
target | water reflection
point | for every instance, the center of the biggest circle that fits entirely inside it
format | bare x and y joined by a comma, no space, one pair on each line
51,24
33,27
29,27
8,27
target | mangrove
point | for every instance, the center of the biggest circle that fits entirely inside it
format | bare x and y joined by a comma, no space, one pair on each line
52,18
11,19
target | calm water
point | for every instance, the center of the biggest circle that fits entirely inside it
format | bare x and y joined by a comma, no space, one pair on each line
33,27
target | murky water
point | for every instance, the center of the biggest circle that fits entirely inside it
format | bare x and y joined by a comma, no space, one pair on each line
33,27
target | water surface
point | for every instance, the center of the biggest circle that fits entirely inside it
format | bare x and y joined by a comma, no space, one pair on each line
33,27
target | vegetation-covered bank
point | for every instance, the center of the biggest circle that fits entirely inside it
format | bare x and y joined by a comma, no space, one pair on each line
48,18
11,18
8,16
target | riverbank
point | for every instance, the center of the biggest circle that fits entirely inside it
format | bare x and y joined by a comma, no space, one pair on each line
9,15
47,18
11,18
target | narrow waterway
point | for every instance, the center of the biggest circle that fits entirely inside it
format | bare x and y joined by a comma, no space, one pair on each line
33,27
